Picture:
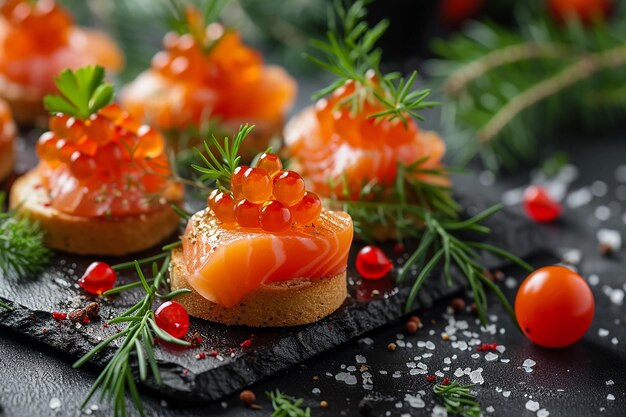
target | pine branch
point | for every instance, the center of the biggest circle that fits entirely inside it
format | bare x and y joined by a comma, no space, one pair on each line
458,399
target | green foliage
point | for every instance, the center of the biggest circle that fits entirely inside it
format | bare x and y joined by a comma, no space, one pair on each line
285,406
458,399
83,92
22,252
507,91
349,52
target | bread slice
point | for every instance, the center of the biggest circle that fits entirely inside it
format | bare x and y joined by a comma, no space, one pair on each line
90,236
289,303
6,159
26,103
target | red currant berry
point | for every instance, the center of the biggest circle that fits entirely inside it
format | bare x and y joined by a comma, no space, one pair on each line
276,217
256,185
270,163
539,206
236,180
224,207
289,188
98,278
372,263
247,214
308,209
172,318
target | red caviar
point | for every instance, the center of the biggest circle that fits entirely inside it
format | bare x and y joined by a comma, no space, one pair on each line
173,318
289,188
372,263
540,206
98,278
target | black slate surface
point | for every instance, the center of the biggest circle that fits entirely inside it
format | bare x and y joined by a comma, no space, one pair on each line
272,350
566,382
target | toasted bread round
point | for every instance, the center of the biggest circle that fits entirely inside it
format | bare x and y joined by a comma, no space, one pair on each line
6,159
281,304
113,236
26,103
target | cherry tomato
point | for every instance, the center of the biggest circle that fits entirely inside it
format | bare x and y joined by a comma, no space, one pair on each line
554,306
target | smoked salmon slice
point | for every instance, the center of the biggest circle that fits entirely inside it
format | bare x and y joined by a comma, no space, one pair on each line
225,262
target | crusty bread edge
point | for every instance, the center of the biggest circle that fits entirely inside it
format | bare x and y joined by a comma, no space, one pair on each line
290,303
90,236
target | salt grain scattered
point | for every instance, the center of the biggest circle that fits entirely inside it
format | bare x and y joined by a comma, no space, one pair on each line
599,188
603,332
346,377
594,280
55,403
506,394
414,401
490,356
476,376
610,238
532,405
360,359
610,397
614,341
510,282
602,213
610,382
579,198
543,413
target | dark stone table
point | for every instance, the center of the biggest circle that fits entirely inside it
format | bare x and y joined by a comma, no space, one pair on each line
586,379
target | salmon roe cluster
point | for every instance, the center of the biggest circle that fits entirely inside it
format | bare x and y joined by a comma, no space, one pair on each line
109,164
267,197
333,144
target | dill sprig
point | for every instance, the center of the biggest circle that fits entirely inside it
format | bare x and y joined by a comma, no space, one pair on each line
138,341
219,167
350,53
285,406
458,399
22,252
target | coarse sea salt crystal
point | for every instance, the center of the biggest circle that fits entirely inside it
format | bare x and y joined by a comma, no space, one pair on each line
617,296
346,377
529,363
578,198
610,382
414,401
543,413
316,391
603,332
360,359
458,373
475,356
506,394
476,376
490,409
430,345
602,213
490,356
532,405
610,397
55,403
614,341
510,282
594,280
610,238
439,411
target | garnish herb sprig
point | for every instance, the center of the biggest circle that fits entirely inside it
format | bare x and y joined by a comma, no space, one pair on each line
350,53
188,19
5,306
138,341
458,399
219,168
82,92
22,252
285,406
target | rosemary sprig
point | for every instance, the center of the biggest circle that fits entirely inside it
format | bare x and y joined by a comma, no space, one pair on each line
458,399
350,53
22,252
285,406
138,340
219,168
5,306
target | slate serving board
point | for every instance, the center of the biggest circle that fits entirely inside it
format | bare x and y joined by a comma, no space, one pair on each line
185,376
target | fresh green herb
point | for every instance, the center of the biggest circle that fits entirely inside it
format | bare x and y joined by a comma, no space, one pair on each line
83,92
508,89
190,18
22,252
137,337
219,168
285,406
350,53
5,306
458,399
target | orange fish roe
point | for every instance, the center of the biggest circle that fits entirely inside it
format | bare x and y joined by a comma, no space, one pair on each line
331,145
38,39
209,72
265,197
107,165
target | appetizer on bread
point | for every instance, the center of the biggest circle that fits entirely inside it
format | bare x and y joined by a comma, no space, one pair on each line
38,39
206,77
265,252
7,136
103,182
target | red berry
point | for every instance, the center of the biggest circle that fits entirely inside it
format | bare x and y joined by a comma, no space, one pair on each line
236,179
275,217
308,209
172,318
446,381
98,278
586,11
57,315
372,263
256,185
539,206
288,188
270,163
247,214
